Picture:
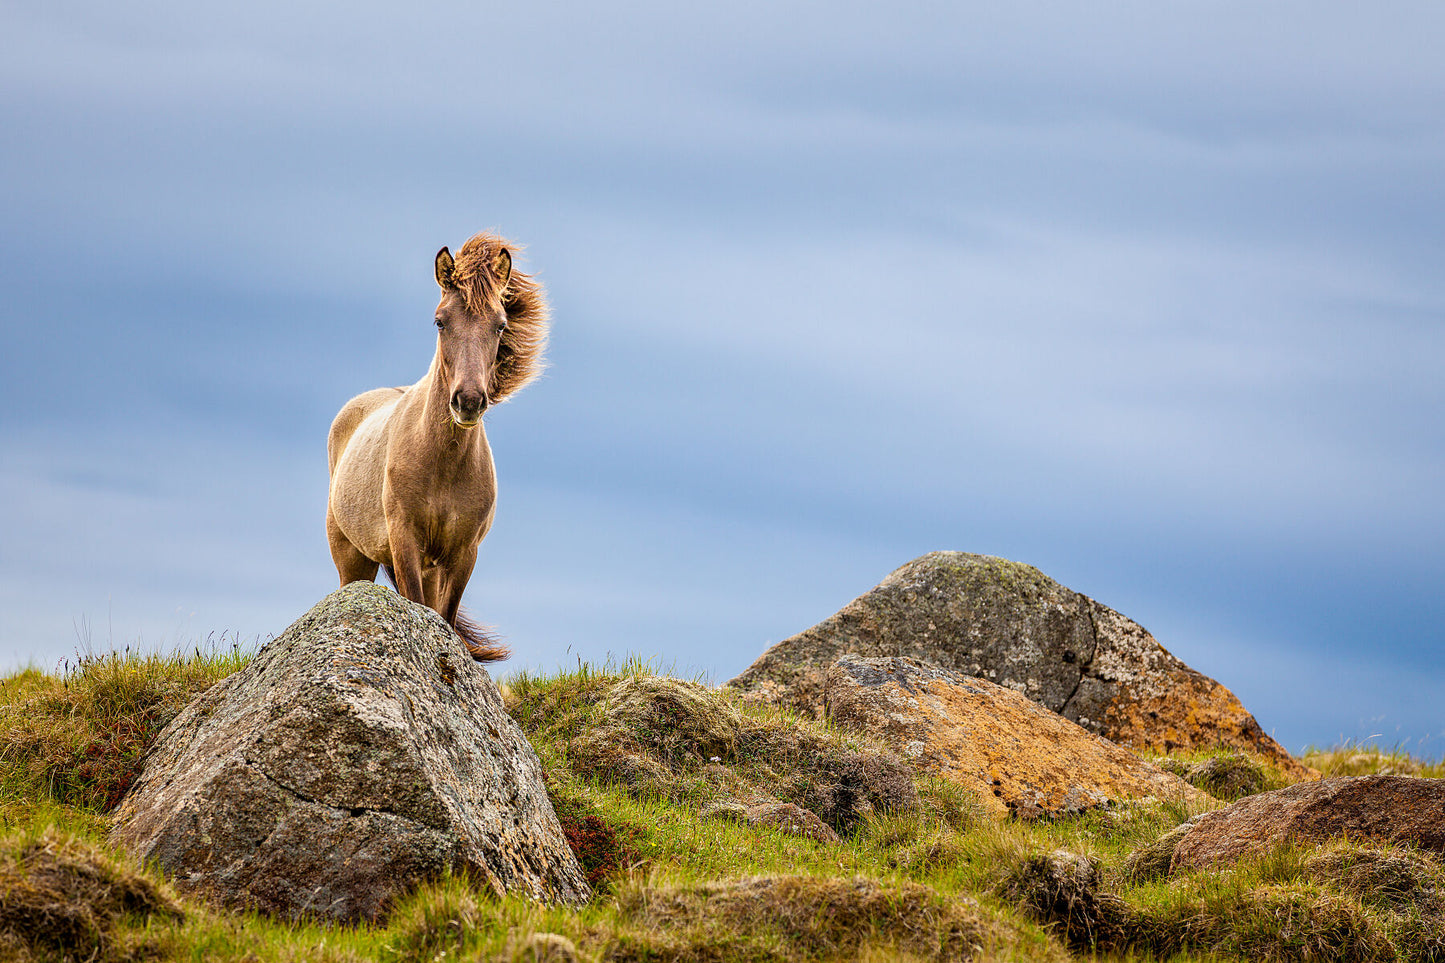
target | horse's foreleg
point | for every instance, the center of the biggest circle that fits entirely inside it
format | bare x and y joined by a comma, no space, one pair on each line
351,565
406,565
458,571
480,644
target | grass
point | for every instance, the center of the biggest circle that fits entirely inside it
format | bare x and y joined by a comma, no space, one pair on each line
654,780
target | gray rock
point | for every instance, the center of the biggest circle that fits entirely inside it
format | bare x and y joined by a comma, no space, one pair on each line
1012,625
359,753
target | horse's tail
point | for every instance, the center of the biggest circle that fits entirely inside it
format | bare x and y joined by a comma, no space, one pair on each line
482,644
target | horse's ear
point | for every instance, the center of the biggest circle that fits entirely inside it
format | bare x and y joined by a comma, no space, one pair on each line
502,268
445,269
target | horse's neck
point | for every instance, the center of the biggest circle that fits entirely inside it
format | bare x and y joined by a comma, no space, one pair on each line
430,416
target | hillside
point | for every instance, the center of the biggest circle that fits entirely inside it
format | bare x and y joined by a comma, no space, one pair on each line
661,786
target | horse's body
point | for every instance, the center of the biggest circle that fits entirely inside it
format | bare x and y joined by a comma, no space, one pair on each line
413,488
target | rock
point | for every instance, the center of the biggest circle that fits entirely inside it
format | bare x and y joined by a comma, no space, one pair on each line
360,752
1017,756
546,948
1013,625
784,817
1400,809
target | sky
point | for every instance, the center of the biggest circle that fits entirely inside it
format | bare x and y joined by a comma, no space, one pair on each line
1147,295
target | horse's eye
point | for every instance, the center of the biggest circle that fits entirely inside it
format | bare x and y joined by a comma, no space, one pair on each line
441,325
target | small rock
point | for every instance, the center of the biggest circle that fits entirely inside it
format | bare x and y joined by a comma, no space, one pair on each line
784,817
546,948
1063,888
1154,860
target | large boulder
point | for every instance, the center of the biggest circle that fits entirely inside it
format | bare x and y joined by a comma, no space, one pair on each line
1399,809
360,752
1018,757
1013,625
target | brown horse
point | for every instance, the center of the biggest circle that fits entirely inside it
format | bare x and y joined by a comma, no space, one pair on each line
412,483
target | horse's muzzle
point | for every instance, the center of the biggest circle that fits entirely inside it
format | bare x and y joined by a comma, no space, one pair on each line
470,420
467,409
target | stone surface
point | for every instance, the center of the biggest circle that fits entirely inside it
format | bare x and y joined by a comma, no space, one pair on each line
358,753
1013,625
782,816
1399,809
547,948
1018,757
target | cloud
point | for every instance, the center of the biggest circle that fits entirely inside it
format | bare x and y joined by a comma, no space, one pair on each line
1148,297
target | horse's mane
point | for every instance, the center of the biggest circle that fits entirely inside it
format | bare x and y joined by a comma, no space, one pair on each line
519,356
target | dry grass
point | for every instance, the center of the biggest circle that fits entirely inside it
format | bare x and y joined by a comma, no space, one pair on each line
77,738
797,918
64,899
1353,759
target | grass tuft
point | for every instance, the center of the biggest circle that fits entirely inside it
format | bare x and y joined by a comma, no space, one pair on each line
78,738
800,918
63,898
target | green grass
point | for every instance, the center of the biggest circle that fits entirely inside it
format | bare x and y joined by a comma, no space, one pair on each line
635,761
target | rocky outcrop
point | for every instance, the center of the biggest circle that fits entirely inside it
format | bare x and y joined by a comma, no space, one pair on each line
1017,757
1399,809
1012,625
360,752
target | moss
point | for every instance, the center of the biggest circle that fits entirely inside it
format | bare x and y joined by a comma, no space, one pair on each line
604,845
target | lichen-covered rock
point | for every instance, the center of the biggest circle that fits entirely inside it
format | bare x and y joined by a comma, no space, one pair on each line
1017,757
784,817
1399,809
1013,625
360,752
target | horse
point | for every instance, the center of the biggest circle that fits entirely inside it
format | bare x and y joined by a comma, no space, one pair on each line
413,488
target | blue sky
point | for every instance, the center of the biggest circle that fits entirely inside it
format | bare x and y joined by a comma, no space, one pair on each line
1147,295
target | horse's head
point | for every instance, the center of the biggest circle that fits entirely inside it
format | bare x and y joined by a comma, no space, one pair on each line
471,321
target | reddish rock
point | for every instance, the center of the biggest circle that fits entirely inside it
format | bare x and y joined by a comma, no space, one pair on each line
1400,809
1017,757
1013,625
